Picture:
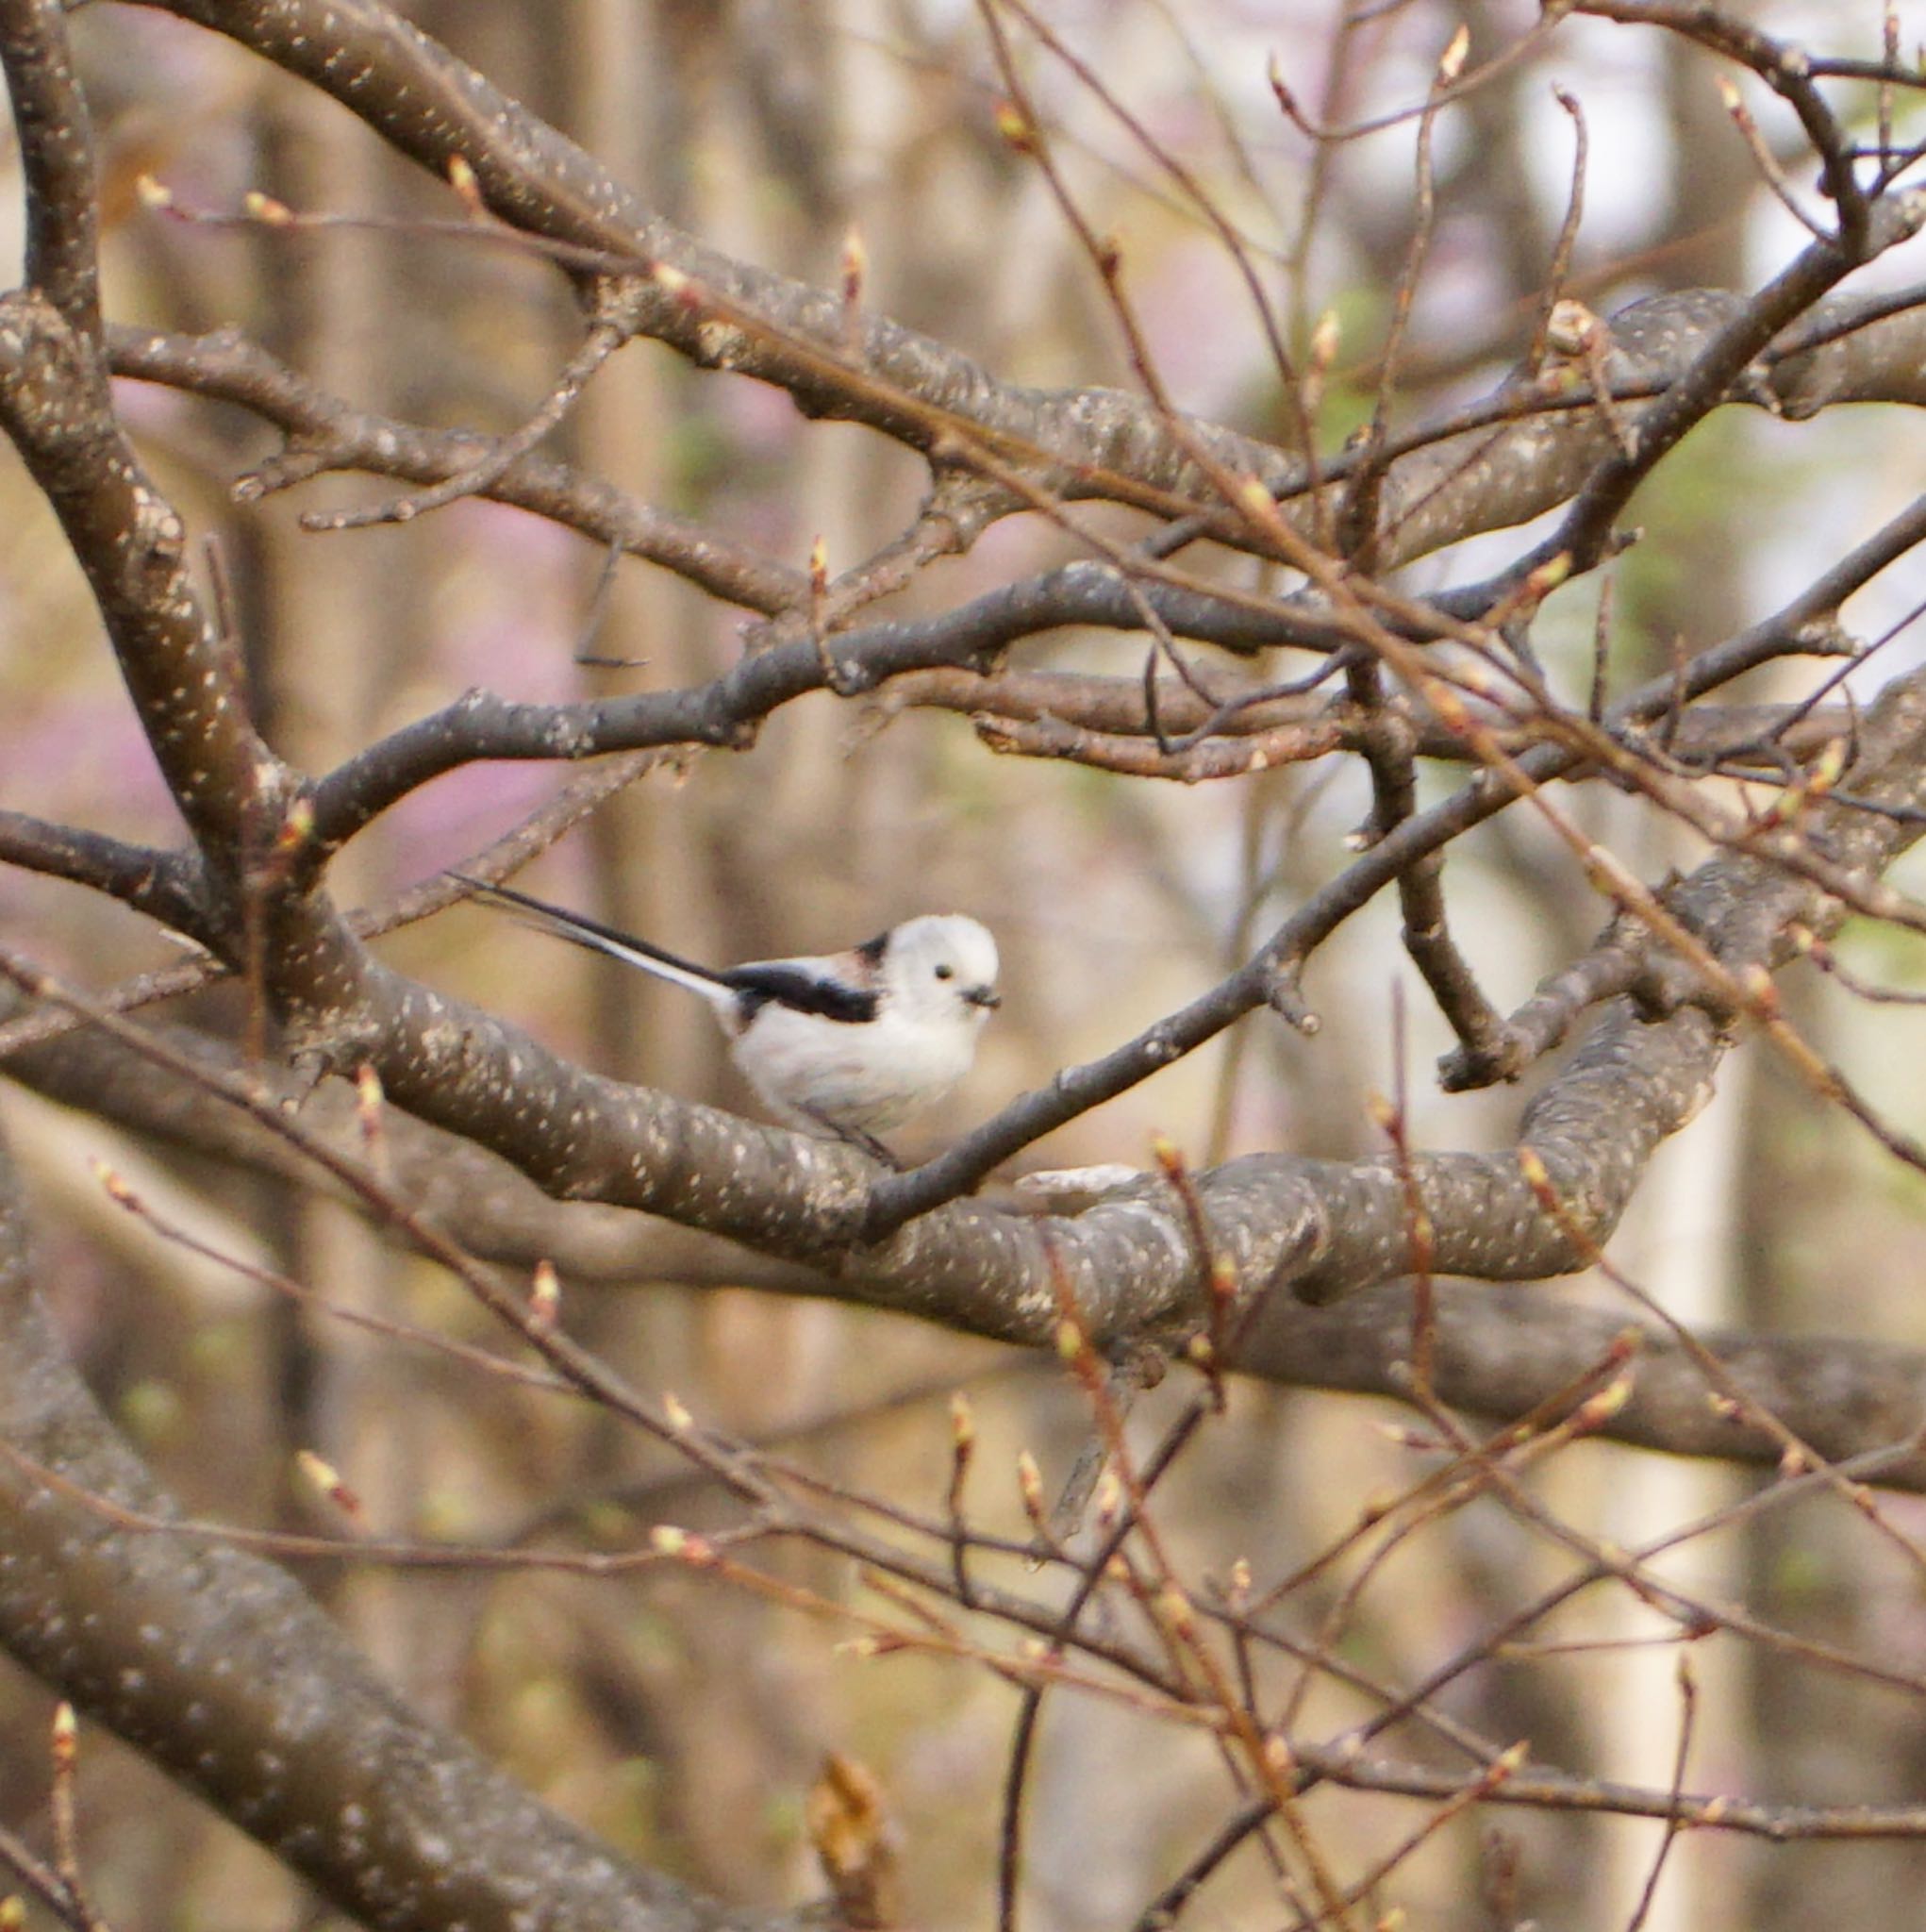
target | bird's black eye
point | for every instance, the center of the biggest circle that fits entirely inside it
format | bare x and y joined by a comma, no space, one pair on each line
946,972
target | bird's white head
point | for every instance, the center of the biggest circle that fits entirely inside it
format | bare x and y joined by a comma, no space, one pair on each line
939,967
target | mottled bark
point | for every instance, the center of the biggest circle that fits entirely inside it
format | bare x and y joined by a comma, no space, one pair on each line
221,1668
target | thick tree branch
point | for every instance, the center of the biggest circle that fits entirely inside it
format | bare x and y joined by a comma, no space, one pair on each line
1327,1233
292,1736
1498,1352
1330,1233
1721,362
55,138
56,405
1326,1230
143,876
436,111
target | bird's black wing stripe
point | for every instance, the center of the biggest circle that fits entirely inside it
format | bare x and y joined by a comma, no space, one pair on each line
579,928
789,985
872,950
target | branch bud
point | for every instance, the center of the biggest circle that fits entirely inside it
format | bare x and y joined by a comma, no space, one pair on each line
328,1480
1014,125
544,1297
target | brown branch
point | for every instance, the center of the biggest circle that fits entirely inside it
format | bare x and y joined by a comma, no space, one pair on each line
1784,68
155,890
435,109
1069,709
1141,758
1610,970
1497,1351
1076,1090
1555,1792
56,406
1721,365
143,876
325,434
297,1732
55,136
607,333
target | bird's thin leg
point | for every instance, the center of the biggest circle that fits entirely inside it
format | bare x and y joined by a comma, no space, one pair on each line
857,1138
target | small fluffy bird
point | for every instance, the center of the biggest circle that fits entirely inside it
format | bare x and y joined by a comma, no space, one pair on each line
855,1041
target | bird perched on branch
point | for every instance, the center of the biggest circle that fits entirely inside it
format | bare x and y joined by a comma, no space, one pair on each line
855,1042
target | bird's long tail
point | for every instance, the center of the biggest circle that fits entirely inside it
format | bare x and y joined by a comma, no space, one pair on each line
602,939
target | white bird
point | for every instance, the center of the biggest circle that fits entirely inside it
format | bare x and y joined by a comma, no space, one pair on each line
855,1041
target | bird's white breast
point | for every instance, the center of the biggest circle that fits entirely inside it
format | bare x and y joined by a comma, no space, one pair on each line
875,1075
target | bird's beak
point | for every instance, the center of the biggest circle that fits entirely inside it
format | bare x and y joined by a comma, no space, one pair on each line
983,996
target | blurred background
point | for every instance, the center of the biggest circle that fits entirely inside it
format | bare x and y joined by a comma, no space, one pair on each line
680,1719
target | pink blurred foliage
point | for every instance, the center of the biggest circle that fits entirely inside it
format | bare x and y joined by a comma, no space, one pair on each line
167,52
513,589
1197,315
78,756
147,409
760,420
83,1304
1007,550
511,600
